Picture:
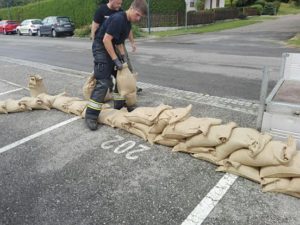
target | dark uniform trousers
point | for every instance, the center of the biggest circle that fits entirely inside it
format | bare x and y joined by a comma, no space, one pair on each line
103,70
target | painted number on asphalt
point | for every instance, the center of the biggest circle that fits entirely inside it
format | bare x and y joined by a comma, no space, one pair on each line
128,147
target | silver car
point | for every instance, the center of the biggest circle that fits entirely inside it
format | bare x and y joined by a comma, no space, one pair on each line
29,26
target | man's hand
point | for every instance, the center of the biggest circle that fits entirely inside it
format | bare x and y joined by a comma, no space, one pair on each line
118,64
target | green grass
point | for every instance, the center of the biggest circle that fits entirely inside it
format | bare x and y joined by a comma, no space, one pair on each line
295,41
286,9
206,28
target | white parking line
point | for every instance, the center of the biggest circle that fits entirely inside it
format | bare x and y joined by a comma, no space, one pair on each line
208,203
26,139
14,84
11,91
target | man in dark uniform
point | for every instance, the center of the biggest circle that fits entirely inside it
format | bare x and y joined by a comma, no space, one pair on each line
110,37
103,13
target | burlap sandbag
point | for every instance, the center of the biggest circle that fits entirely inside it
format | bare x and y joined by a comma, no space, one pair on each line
131,99
76,107
189,127
274,153
181,147
35,103
36,85
207,156
146,115
13,106
61,102
217,135
166,141
294,185
265,181
89,86
126,82
283,185
3,107
115,118
242,137
49,99
248,172
292,169
140,126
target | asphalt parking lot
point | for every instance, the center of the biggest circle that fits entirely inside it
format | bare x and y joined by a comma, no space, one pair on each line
53,170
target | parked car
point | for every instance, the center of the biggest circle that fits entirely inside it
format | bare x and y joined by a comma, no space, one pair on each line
56,25
8,26
29,26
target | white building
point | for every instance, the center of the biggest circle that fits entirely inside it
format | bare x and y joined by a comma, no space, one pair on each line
209,4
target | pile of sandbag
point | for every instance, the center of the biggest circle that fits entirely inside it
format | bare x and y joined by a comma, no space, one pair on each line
238,150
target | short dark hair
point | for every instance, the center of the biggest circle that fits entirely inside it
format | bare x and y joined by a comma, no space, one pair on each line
140,5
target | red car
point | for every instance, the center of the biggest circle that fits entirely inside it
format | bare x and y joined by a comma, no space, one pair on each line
8,26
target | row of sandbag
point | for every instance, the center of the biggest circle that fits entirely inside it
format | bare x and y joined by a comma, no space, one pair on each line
39,99
238,150
241,151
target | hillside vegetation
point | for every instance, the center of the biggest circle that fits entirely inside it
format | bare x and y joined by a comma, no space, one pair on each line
80,11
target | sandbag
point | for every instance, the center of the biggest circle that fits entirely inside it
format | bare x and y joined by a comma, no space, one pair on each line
166,141
131,99
248,172
125,80
36,85
283,185
207,156
217,135
34,103
242,137
115,118
76,107
146,115
89,86
3,107
181,147
13,106
292,169
274,153
189,127
49,99
140,126
61,102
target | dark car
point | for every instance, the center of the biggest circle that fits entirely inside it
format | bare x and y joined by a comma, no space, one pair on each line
56,26
8,26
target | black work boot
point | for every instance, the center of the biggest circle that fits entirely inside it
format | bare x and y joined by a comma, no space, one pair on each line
131,108
139,90
92,124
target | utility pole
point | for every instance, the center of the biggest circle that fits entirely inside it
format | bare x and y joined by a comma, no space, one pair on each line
149,18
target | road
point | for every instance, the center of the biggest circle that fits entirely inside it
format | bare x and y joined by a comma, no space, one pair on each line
53,170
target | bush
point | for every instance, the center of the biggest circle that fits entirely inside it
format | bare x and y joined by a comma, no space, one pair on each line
260,2
269,9
84,31
259,8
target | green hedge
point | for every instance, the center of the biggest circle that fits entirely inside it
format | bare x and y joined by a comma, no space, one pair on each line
162,6
80,11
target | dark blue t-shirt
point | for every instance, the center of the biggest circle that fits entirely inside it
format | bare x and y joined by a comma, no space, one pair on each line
118,26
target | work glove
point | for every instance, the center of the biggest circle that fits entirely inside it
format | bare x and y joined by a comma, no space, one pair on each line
124,58
118,64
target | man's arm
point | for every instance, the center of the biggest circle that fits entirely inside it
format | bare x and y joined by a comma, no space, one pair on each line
95,26
107,41
131,39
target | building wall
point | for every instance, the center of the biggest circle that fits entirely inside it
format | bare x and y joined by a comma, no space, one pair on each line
212,4
190,4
